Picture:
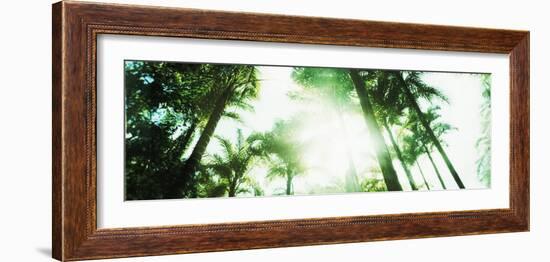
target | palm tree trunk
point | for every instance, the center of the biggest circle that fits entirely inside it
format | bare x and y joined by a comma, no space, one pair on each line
435,167
192,163
186,138
382,154
232,190
202,143
422,173
400,156
288,183
416,108
181,144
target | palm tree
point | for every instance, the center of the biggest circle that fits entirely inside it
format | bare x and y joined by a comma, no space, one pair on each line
434,166
389,106
381,150
236,84
399,155
161,103
233,164
195,88
281,151
423,176
278,168
412,85
420,139
412,151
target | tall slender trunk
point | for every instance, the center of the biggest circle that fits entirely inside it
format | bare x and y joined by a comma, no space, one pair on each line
208,131
288,183
422,173
232,189
192,163
382,154
428,129
186,138
435,166
400,156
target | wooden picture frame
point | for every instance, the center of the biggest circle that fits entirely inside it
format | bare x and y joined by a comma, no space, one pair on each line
76,26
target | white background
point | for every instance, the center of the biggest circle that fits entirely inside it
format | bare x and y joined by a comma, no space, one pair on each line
25,145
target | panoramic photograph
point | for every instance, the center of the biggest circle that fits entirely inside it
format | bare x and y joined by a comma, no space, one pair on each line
203,130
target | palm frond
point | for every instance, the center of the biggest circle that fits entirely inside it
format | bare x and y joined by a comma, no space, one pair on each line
227,146
233,115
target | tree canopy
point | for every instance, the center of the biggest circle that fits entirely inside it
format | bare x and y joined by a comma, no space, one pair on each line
191,130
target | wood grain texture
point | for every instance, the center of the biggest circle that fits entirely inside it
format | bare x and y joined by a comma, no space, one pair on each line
519,130
76,26
57,195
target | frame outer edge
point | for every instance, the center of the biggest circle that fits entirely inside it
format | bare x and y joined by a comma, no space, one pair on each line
71,239
520,130
527,185
57,122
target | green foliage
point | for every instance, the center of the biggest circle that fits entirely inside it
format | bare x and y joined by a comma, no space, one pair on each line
413,135
387,97
173,109
483,144
232,166
165,105
154,122
373,185
419,88
331,84
281,151
417,142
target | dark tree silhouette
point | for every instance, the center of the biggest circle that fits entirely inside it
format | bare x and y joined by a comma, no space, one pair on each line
237,84
413,81
382,154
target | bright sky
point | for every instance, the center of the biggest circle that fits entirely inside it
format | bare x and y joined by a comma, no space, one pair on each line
325,155
465,99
